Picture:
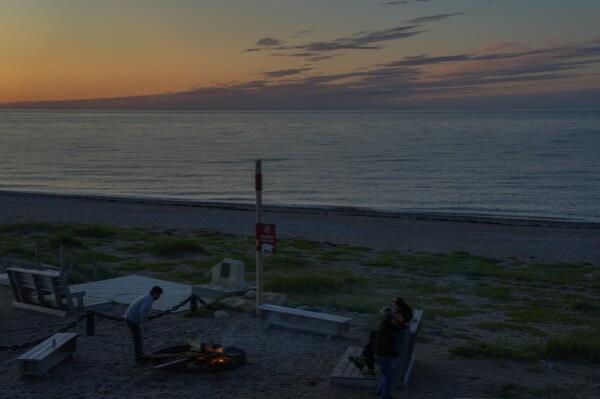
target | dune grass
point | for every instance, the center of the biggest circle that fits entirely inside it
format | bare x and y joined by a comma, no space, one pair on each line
582,345
503,325
312,283
578,345
496,351
175,247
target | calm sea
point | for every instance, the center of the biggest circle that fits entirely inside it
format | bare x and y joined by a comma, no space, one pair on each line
518,164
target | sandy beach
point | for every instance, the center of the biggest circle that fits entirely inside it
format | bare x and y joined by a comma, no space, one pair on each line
544,240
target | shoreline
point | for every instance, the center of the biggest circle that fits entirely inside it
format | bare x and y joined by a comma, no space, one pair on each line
534,240
316,210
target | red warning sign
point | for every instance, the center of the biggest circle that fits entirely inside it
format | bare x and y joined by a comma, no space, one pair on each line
265,237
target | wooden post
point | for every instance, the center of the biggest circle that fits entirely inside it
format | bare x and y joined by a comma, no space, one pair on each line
259,255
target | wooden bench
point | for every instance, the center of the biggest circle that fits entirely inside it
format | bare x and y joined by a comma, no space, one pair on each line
44,291
347,374
41,358
316,322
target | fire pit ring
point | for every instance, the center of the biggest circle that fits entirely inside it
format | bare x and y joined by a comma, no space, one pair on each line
209,358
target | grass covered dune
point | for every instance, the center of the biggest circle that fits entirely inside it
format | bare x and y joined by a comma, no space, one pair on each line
478,310
548,241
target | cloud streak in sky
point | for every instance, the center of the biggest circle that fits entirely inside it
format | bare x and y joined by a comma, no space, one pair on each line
433,18
418,79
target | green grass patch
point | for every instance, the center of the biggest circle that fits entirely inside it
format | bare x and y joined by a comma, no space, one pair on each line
495,293
501,326
447,313
80,273
311,283
176,247
15,248
285,262
135,248
132,265
577,346
486,350
66,240
388,258
96,256
562,274
533,313
331,255
448,301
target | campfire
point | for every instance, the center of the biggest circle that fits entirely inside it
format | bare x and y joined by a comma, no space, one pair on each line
198,357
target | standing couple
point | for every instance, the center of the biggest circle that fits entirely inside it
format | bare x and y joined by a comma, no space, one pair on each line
385,345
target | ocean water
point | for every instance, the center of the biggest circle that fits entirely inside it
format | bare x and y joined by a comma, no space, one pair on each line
515,164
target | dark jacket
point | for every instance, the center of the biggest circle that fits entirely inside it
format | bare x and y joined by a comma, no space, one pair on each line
385,341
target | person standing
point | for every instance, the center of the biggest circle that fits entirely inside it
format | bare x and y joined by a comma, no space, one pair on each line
137,315
386,350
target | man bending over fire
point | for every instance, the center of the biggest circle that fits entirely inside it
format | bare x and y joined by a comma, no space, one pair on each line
136,315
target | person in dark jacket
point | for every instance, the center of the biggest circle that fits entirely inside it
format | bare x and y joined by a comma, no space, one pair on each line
366,362
386,351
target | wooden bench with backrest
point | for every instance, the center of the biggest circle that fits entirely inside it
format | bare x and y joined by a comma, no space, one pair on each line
44,291
42,357
347,374
317,322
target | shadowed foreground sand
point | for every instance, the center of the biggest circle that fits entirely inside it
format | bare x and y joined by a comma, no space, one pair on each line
281,364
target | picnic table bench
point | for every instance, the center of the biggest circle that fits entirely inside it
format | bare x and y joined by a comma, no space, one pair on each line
347,374
44,356
317,322
44,291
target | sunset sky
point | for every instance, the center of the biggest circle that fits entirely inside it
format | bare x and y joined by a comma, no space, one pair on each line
297,54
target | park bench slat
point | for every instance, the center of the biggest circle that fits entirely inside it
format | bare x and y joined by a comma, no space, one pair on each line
43,290
316,322
306,313
41,358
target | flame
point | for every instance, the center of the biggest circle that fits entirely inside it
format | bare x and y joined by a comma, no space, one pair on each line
219,360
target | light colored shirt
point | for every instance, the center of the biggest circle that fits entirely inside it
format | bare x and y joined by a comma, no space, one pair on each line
138,311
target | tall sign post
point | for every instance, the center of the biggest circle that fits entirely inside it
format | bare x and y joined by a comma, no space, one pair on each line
259,254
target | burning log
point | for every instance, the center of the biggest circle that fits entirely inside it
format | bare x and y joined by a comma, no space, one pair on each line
201,357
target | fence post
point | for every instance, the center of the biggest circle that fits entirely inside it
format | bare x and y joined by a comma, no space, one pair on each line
90,327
